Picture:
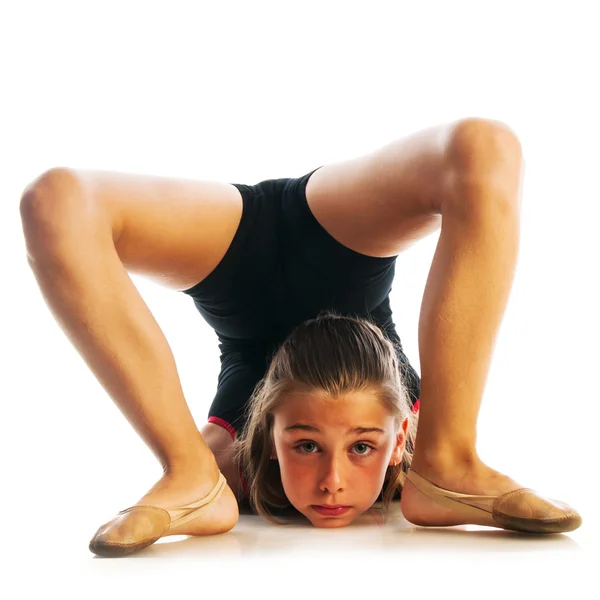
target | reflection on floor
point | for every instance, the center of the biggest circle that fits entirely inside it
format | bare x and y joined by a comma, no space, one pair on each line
371,532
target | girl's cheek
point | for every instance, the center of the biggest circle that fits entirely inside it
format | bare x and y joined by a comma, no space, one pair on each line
296,470
297,467
294,458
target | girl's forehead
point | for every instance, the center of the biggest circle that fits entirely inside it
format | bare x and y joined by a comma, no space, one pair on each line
357,405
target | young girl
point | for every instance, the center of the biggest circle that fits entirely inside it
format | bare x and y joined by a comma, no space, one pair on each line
316,405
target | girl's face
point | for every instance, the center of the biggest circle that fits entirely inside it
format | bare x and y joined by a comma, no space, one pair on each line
335,452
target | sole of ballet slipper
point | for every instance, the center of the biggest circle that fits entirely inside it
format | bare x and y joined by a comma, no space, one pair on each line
482,510
569,522
112,550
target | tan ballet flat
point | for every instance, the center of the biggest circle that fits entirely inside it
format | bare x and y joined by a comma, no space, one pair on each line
520,510
139,526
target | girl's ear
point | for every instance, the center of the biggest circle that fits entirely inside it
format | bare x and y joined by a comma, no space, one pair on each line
396,457
398,451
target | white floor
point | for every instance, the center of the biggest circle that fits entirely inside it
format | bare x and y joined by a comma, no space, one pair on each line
365,560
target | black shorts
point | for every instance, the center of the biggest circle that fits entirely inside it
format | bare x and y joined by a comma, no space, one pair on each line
283,268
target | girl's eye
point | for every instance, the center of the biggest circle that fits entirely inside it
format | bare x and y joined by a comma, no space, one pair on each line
303,445
365,446
364,449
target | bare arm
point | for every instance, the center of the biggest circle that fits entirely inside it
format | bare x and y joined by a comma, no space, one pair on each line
220,442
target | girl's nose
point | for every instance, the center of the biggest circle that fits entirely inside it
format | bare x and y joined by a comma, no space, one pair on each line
332,480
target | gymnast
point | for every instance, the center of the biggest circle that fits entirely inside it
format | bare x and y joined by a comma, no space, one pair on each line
317,407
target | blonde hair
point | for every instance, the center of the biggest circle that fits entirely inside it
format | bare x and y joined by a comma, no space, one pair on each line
333,355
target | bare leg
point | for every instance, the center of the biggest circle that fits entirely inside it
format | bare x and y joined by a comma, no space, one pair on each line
101,311
464,301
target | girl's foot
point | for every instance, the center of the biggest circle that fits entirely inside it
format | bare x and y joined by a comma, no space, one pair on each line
174,490
480,479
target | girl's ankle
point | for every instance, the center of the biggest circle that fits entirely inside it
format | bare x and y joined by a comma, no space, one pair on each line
192,468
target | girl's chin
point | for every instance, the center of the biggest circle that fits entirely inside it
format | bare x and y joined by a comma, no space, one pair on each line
330,523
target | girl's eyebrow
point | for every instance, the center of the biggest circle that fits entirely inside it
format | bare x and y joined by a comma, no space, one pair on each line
359,430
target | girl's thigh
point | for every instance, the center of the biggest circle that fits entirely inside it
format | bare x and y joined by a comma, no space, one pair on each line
173,230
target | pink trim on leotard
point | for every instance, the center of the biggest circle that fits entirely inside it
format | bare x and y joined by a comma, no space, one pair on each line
225,425
416,405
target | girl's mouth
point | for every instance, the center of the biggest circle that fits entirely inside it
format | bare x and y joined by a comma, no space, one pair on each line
331,511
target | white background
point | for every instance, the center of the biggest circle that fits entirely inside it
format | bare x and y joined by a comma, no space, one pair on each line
246,91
